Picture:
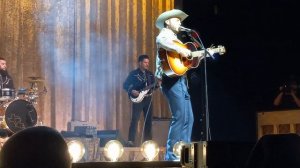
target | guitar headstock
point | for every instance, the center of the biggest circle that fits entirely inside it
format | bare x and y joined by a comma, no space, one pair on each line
221,49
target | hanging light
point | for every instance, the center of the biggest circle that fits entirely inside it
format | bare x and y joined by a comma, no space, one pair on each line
76,150
149,150
113,150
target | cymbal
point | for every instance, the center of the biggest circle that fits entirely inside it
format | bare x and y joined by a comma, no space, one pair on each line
35,79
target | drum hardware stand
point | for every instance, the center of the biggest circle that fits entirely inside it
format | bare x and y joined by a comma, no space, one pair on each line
34,93
34,90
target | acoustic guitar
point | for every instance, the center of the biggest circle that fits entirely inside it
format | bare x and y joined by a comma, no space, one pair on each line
173,64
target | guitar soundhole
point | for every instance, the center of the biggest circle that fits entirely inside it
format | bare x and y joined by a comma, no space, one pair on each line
186,61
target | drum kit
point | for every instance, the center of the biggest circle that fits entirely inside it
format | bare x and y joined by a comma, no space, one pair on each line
17,110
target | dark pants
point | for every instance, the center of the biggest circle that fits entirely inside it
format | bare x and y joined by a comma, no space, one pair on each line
137,108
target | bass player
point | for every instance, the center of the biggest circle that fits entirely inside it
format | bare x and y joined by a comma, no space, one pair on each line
141,98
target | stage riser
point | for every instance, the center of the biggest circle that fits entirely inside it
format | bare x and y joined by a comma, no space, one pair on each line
219,154
94,153
131,154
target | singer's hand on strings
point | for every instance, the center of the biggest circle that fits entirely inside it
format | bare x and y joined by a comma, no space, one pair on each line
185,52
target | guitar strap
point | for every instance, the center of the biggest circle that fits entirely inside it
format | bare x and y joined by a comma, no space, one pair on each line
149,80
145,76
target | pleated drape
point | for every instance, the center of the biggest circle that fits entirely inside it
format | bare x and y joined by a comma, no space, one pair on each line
84,49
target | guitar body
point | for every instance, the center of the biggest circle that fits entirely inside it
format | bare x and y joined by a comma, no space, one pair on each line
173,64
142,93
140,97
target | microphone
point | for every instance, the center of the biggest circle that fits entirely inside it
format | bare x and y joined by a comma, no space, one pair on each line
181,28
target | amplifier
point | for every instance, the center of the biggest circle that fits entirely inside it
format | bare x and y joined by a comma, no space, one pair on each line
86,131
72,124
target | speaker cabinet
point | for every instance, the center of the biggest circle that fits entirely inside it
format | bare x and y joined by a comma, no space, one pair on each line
107,135
160,130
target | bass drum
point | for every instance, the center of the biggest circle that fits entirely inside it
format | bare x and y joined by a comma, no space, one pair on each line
20,114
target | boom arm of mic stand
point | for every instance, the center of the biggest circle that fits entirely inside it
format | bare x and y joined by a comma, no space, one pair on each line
199,43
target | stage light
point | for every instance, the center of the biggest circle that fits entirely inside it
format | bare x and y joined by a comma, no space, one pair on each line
177,148
76,150
149,150
194,155
113,150
2,141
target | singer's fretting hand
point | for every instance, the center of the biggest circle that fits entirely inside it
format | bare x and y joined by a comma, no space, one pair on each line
185,52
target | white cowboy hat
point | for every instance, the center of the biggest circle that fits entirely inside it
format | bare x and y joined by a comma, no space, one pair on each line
174,13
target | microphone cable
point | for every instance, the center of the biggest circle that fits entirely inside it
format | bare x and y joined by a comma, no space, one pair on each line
145,120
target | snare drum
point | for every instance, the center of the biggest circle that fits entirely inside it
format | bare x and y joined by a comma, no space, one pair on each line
19,115
7,94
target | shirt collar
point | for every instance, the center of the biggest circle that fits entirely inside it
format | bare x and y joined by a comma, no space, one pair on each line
169,31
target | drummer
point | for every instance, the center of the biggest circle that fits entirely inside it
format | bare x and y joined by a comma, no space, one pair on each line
7,83
5,79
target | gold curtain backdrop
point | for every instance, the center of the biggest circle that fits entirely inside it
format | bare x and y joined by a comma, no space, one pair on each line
84,49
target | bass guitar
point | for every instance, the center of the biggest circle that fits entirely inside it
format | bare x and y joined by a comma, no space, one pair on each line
142,93
173,64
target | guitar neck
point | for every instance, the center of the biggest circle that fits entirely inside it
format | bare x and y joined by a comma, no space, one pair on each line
201,53
150,86
198,53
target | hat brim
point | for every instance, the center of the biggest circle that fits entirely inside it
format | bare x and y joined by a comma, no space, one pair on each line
174,13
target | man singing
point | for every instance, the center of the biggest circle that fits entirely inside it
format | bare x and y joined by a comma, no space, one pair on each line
174,88
5,79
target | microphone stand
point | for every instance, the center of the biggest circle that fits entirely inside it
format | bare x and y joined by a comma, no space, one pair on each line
1,81
206,117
